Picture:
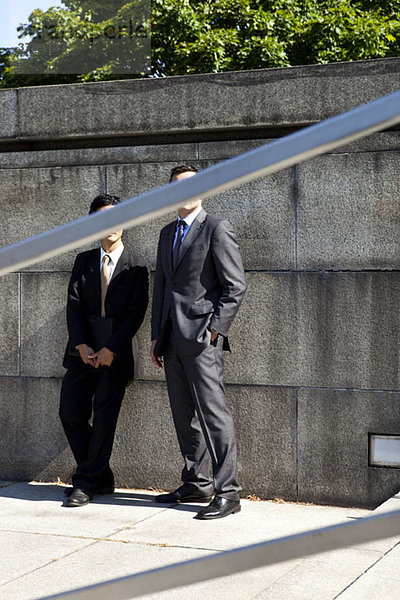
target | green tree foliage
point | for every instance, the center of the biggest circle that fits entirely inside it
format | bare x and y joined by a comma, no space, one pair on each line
201,36
88,40
222,35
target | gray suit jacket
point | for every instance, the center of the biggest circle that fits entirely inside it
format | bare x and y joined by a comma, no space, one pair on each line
206,287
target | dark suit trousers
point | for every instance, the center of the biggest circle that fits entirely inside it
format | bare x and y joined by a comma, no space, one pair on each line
89,408
202,418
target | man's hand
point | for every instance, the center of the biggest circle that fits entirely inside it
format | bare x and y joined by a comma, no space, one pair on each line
86,353
157,360
102,358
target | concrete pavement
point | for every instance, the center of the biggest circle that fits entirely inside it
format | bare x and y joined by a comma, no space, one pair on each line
47,549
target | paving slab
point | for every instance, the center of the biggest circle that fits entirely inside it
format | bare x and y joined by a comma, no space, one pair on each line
257,522
321,577
108,560
100,561
38,508
380,581
27,552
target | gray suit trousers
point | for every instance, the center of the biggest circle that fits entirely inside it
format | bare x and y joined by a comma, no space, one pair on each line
202,417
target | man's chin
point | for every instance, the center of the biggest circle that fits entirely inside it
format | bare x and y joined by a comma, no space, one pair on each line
190,206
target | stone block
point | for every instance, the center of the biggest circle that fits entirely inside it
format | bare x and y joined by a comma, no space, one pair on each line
9,113
377,142
146,453
9,324
333,430
259,98
263,336
318,329
261,213
43,328
265,420
227,148
32,444
149,371
348,216
35,200
79,157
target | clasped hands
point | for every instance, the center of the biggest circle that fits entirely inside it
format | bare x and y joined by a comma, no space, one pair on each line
102,358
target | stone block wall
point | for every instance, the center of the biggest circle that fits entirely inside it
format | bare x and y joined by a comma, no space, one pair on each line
315,366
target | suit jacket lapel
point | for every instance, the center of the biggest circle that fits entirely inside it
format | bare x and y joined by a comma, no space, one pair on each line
169,240
93,278
193,232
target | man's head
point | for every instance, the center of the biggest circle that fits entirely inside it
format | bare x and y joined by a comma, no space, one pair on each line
104,202
180,170
183,172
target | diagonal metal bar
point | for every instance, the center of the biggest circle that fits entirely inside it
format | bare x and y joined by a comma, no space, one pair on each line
240,559
272,157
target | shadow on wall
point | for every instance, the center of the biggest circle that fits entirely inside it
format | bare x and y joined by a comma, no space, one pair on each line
32,445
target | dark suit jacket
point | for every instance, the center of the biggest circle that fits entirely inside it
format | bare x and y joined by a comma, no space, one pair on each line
206,287
126,302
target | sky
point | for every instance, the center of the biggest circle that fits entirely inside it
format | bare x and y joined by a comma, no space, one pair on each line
14,12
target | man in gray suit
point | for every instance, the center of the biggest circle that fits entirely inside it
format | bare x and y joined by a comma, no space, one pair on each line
198,287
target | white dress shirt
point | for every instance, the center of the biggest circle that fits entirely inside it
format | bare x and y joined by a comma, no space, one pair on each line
189,222
115,255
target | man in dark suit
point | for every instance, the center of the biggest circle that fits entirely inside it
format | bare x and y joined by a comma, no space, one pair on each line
198,287
107,301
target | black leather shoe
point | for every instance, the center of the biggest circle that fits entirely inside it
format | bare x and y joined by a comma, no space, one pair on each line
78,497
184,493
219,508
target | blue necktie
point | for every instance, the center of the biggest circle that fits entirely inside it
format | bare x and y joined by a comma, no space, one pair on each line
178,242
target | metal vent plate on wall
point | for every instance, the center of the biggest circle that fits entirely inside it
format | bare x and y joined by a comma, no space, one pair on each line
384,450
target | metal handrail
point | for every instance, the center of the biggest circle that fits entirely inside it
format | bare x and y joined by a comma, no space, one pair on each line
228,174
241,559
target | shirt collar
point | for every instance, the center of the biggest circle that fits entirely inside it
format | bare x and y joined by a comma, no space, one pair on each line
191,216
115,255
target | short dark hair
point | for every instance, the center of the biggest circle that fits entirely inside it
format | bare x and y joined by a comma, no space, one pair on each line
102,201
181,169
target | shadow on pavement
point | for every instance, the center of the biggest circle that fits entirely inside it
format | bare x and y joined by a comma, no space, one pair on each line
39,492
